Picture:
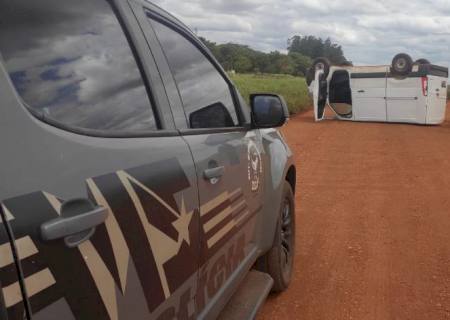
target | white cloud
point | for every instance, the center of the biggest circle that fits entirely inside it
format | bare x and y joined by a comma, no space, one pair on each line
370,31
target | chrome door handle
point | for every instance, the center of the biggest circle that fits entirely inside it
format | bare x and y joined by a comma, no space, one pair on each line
214,174
77,223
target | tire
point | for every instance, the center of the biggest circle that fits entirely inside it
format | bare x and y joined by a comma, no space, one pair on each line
402,64
279,261
310,76
422,61
321,64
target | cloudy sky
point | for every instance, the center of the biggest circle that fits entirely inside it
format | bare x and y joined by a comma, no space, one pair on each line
370,31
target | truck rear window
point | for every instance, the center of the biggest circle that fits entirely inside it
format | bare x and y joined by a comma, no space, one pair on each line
70,61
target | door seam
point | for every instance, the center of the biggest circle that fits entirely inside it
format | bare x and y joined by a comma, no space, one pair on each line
18,265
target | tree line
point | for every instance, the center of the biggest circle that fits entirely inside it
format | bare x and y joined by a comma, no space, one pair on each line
302,50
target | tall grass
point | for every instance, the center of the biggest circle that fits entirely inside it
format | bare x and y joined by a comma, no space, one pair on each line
293,89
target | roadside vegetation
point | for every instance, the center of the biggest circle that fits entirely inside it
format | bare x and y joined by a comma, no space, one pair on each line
301,51
276,72
293,89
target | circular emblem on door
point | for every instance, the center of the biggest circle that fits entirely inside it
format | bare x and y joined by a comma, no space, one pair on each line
254,166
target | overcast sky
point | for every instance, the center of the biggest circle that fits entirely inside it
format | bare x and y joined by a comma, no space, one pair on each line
370,31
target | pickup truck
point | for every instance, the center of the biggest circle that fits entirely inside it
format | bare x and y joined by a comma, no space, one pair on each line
135,181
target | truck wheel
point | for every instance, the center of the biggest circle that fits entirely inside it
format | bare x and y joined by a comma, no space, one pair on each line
422,61
279,261
321,64
402,64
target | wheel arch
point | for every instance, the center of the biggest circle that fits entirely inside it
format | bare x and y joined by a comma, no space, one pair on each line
291,177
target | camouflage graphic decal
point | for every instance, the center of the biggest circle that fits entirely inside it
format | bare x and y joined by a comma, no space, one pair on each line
255,166
9,275
46,268
147,252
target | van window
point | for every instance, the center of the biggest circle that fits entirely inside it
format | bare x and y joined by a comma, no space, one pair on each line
206,95
70,61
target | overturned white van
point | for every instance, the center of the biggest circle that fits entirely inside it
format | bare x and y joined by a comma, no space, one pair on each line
402,92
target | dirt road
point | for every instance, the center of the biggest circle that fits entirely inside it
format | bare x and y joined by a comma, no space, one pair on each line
373,222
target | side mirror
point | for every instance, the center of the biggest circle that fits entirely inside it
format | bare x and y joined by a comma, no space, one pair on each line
268,111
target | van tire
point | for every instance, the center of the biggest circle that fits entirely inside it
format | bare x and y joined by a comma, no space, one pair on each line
421,62
402,64
321,63
273,262
310,76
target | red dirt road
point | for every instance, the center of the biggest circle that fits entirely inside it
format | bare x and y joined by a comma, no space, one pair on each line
373,222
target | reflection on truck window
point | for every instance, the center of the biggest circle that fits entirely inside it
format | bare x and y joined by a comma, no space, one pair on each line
70,61
198,81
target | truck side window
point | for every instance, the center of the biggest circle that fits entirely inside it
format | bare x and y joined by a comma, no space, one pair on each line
206,95
71,62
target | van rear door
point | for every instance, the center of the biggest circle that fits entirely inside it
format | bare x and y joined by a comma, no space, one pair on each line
320,95
436,100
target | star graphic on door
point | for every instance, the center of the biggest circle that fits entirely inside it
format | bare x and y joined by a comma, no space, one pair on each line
182,224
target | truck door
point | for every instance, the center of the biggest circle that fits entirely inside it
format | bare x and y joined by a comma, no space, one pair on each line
228,159
320,95
369,95
402,97
97,187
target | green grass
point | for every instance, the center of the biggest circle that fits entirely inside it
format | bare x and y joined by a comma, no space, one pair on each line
293,89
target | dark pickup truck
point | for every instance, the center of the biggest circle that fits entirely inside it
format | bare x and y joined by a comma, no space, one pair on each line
135,182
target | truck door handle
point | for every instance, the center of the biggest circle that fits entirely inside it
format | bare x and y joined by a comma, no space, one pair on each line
76,224
214,174
361,91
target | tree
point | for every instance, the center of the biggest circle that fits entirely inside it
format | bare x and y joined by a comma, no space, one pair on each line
301,63
212,46
302,50
243,64
313,47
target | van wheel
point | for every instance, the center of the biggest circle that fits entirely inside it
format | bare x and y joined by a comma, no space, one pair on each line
321,64
402,64
310,76
422,61
279,261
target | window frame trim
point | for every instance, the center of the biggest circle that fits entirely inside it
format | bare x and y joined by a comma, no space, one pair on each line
100,133
193,132
188,35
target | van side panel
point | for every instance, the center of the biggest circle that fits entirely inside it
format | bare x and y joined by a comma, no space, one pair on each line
402,96
368,96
